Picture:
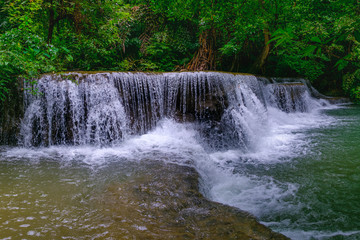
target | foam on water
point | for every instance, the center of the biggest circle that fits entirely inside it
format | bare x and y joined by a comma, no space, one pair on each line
169,138
243,178
257,130
224,175
179,143
322,235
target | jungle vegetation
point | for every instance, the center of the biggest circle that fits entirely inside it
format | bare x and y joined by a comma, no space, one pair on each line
314,39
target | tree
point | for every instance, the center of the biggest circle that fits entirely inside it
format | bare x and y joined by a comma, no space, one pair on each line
315,39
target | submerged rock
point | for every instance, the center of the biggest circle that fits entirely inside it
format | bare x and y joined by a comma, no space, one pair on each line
163,201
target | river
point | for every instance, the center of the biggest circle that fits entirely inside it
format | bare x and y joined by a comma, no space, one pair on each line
299,175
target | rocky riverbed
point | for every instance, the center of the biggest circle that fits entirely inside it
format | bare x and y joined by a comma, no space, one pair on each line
162,201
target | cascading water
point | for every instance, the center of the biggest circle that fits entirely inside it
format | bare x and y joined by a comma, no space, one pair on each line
289,97
104,108
244,135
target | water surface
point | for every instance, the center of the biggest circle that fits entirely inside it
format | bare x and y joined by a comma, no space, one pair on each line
307,187
287,158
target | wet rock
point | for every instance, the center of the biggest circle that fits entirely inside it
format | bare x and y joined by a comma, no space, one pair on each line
11,113
163,201
289,96
338,100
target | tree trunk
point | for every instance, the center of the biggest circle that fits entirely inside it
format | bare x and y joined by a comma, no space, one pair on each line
61,14
204,58
78,18
260,62
51,23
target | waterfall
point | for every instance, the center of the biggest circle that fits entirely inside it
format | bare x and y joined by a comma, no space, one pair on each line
243,140
105,108
289,97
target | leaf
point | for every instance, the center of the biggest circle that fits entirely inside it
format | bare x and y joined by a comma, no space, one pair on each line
36,51
347,57
318,52
69,58
309,50
316,39
65,49
342,37
341,64
46,55
280,42
357,35
275,39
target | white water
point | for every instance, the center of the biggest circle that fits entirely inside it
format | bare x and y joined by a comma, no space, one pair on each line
267,134
222,179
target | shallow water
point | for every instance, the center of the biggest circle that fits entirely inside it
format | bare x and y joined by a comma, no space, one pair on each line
90,193
300,176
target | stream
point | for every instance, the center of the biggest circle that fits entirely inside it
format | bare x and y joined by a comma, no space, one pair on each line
297,171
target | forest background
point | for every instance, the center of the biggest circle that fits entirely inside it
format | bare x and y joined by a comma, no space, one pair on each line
314,39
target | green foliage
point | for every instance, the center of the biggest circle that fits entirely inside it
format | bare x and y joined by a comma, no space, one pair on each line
87,36
351,85
25,54
315,39
318,39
